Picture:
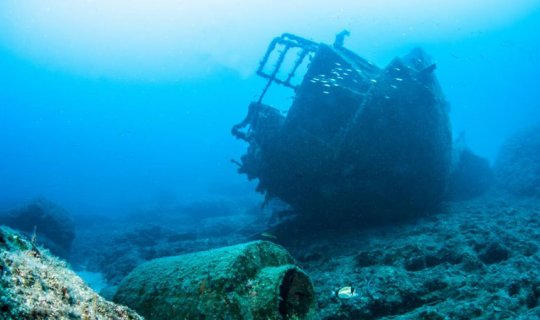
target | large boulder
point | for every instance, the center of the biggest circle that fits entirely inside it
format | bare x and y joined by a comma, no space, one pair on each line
471,175
36,285
50,224
517,166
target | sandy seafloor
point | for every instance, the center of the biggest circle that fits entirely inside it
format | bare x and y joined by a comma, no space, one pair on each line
476,259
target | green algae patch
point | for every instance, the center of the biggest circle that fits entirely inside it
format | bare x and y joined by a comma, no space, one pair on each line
36,285
256,280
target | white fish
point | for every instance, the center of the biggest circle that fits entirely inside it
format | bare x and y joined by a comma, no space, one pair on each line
347,293
326,85
393,86
373,80
398,79
325,92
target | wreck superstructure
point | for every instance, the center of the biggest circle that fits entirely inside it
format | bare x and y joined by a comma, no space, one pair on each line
358,142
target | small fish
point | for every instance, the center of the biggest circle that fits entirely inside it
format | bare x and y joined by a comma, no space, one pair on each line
393,86
397,69
347,293
345,74
341,78
373,80
326,92
312,80
326,85
398,79
338,64
386,97
268,235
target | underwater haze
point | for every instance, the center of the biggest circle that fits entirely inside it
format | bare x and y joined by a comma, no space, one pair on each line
318,160
109,105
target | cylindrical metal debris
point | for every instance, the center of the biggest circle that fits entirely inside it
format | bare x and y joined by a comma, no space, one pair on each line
256,280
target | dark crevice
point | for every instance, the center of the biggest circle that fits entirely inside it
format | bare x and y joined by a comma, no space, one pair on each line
295,295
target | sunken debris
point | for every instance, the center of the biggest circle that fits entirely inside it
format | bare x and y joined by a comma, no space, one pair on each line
358,144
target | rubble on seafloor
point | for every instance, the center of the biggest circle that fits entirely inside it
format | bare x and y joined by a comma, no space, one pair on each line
475,259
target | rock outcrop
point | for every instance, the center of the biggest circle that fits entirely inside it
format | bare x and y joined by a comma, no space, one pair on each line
36,285
53,225
517,167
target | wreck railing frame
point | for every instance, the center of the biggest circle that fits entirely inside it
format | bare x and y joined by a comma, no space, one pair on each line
288,41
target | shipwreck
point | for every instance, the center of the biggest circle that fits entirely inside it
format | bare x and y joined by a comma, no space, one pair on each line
359,143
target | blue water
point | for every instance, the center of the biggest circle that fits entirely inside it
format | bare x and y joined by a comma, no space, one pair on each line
96,144
97,138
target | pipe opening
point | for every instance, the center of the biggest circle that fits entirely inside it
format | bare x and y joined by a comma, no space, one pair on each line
296,295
